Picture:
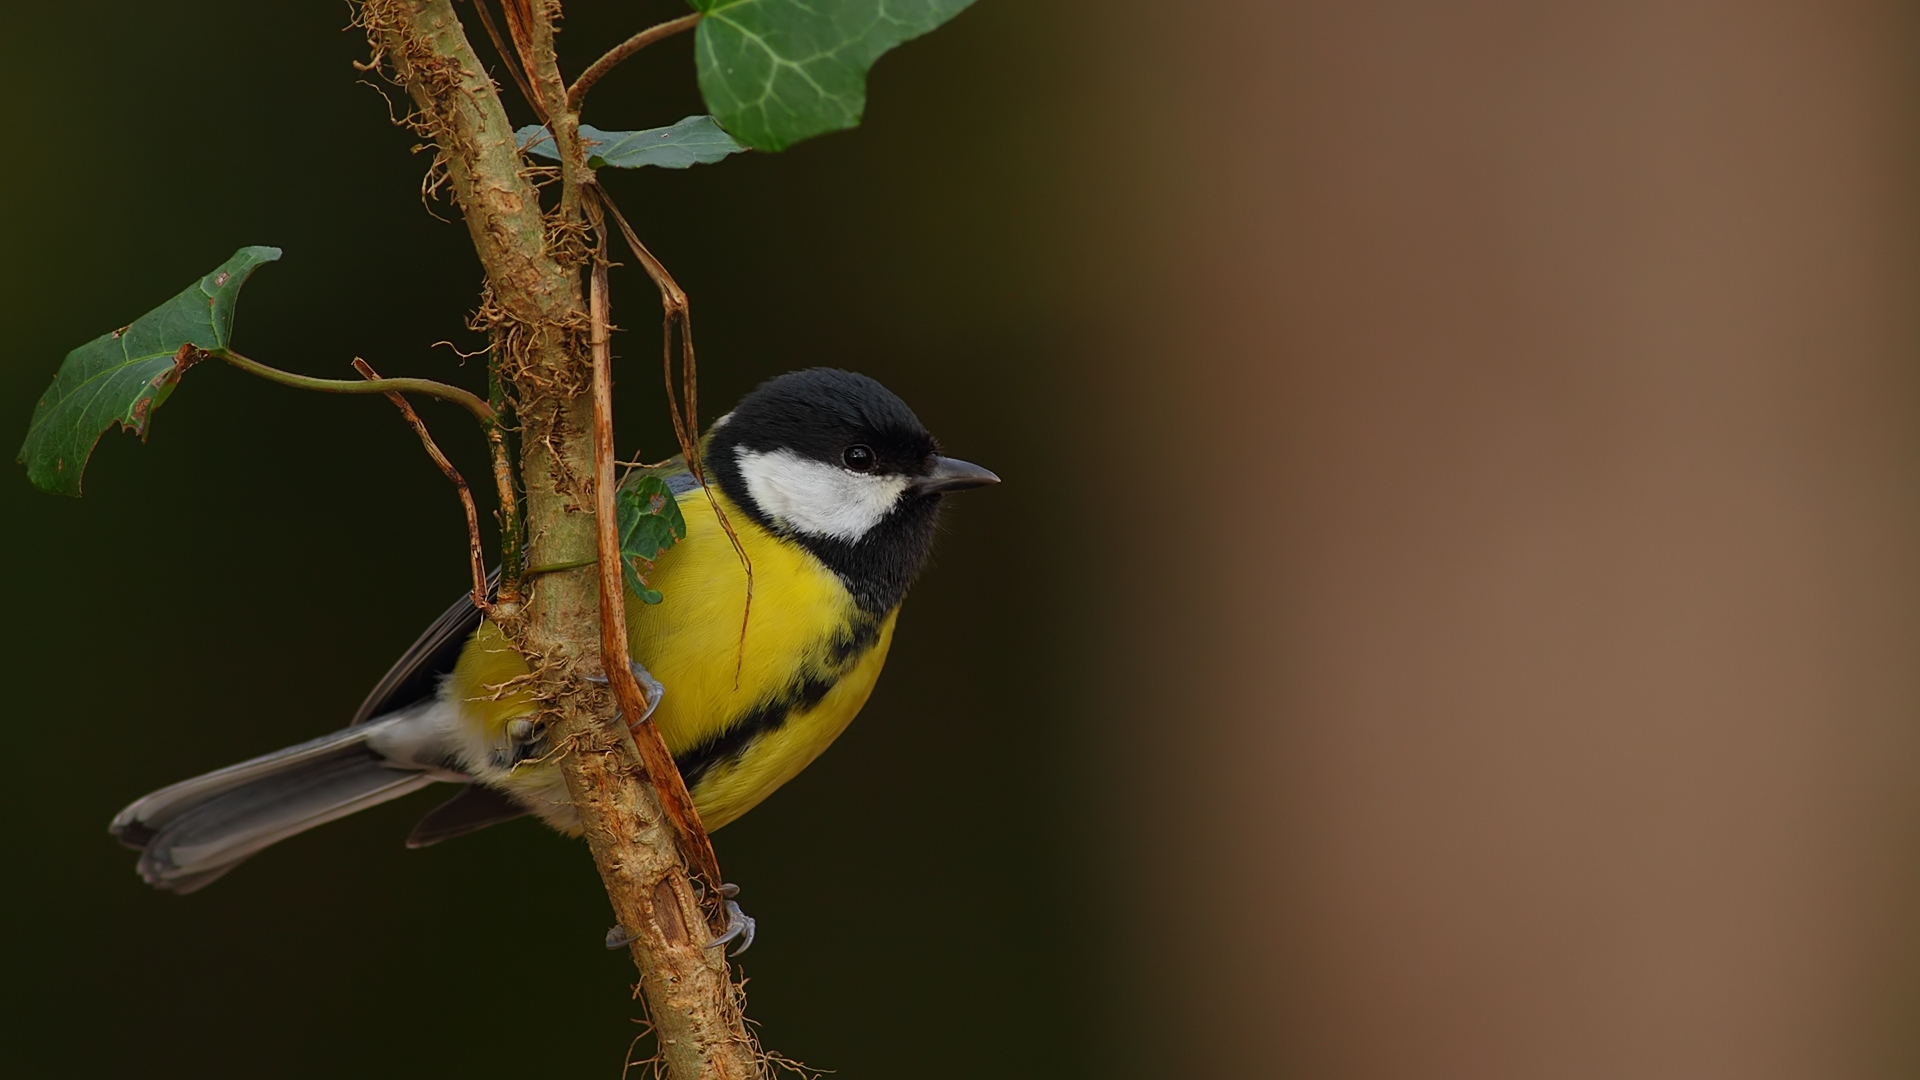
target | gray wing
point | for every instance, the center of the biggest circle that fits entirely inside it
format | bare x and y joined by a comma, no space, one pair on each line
418,672
417,675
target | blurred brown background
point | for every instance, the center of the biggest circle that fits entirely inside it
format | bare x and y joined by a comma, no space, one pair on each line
1452,611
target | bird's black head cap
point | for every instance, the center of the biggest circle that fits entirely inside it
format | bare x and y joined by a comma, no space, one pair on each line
820,413
838,464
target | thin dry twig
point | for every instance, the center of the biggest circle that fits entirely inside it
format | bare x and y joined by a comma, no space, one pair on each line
686,426
507,58
490,421
578,91
474,554
675,800
520,23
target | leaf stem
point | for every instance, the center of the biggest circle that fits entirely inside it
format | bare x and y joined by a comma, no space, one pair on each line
465,399
554,568
578,92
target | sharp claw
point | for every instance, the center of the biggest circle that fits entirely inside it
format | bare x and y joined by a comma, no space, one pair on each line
739,925
646,680
650,684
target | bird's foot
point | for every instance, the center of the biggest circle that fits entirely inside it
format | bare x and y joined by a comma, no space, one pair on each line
647,682
739,923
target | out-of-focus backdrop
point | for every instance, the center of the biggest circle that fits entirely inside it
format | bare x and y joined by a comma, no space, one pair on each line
1452,611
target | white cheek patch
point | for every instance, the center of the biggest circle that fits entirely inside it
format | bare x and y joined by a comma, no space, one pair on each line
816,498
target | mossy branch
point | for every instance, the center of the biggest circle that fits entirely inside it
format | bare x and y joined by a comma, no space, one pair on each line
537,314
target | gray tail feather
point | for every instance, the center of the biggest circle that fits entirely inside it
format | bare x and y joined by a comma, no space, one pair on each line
191,833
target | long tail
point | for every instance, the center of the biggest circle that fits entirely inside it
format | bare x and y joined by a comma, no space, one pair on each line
192,832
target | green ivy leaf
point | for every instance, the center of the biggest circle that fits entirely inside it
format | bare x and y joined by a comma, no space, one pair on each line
697,140
120,378
778,71
650,523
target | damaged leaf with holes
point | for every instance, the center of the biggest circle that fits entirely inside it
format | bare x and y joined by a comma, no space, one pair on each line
122,377
650,523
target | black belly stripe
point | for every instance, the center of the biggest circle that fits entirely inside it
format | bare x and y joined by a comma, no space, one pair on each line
852,642
845,651
731,743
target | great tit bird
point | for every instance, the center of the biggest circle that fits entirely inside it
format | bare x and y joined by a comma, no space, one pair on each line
833,487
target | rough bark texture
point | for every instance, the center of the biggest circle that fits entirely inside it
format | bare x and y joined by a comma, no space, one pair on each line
537,315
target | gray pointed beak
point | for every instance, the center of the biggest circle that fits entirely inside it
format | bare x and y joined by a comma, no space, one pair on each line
952,474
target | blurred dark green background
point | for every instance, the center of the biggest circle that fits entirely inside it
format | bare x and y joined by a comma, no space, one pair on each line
1451,613
238,583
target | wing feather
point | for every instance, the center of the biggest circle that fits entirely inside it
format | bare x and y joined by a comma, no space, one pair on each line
418,672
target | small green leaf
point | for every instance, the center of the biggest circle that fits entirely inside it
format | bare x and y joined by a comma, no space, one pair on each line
697,140
650,523
120,378
778,71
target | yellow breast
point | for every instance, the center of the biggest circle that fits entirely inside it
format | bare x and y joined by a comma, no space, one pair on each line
741,723
715,691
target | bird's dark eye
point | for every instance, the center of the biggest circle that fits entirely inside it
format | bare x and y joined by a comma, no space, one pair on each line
858,458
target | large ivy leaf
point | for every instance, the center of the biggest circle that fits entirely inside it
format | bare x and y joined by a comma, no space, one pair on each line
650,523
697,140
778,71
121,377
